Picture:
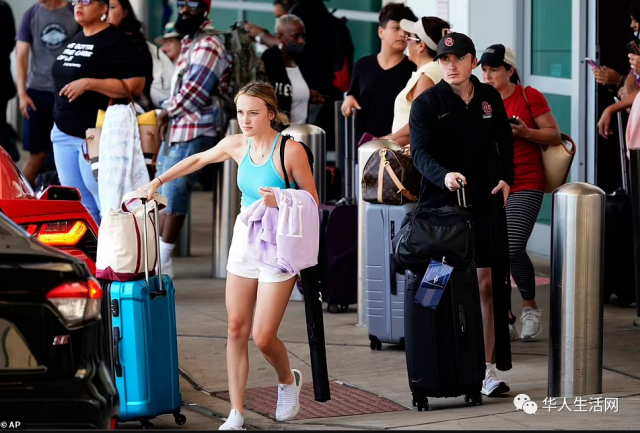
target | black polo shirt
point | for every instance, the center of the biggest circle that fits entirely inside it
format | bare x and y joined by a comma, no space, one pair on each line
475,140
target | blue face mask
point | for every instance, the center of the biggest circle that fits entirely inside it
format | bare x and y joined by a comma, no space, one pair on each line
294,50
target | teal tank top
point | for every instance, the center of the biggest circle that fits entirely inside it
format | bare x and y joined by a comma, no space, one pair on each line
252,176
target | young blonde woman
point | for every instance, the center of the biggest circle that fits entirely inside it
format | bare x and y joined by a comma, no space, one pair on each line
250,286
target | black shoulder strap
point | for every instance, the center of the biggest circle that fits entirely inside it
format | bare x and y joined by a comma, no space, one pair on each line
284,169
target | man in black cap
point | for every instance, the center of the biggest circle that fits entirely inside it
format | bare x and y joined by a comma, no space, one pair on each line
460,130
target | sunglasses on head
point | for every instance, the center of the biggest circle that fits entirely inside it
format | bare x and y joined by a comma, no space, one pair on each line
192,5
84,2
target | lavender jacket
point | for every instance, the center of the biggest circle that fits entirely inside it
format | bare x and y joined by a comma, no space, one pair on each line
287,238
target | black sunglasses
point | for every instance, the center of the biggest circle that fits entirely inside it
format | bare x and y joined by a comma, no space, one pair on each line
193,5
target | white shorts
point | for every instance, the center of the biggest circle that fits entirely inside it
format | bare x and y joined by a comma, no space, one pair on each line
245,267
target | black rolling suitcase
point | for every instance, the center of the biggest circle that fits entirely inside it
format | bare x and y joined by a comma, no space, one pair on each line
444,345
619,264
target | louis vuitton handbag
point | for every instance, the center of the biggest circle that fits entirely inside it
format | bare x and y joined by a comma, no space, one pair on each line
389,177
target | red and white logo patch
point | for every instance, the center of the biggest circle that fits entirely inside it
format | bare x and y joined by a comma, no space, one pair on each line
448,42
486,107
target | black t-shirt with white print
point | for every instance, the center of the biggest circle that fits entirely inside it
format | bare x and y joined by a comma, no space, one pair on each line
109,53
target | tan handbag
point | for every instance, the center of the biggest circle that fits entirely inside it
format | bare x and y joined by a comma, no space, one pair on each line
149,138
556,160
390,177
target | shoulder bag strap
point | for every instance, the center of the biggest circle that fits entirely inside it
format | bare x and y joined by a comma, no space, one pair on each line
284,169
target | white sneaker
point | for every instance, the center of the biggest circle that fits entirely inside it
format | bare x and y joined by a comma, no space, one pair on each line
289,398
513,332
492,386
530,323
235,421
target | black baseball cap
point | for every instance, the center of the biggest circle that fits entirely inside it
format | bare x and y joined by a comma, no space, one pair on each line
498,55
457,44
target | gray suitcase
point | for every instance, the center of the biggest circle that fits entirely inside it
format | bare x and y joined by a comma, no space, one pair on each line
384,288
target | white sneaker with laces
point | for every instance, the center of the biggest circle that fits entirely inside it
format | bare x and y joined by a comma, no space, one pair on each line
235,421
492,386
530,323
289,398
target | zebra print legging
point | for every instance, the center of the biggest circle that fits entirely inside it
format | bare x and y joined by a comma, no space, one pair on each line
523,208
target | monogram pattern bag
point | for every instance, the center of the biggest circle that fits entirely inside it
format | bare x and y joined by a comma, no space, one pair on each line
389,177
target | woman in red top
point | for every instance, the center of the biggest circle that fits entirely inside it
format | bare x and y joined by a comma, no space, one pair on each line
532,124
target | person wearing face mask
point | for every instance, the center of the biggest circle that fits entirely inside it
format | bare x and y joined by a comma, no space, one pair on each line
194,110
285,75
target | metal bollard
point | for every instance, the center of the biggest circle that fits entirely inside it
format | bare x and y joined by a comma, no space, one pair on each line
577,301
226,206
316,139
364,153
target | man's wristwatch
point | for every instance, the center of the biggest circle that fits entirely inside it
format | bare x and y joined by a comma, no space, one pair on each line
259,38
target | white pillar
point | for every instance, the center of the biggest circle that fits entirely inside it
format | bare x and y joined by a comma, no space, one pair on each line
141,8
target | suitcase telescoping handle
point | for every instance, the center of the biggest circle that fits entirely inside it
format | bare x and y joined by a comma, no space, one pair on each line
463,202
623,151
350,155
157,198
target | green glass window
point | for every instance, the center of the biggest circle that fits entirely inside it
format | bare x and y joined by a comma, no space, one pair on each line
551,38
561,108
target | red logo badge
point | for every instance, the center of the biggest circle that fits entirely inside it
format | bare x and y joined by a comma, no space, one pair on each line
448,42
486,107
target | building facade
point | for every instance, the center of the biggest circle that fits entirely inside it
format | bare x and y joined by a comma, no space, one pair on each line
551,39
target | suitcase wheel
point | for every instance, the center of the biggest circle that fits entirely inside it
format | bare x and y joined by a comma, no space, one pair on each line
375,344
336,308
146,424
475,398
422,403
180,418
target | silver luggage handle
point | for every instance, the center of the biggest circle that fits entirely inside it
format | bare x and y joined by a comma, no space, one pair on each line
161,291
623,151
463,202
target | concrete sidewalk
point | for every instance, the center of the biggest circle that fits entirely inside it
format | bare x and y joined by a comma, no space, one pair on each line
202,339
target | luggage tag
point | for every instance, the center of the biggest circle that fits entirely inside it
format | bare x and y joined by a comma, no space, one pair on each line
433,283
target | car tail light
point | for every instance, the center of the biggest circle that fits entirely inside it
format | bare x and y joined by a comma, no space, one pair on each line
74,237
65,233
114,423
77,302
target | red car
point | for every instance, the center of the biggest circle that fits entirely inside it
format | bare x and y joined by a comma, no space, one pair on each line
56,218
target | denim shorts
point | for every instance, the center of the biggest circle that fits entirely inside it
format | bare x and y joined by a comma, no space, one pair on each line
178,191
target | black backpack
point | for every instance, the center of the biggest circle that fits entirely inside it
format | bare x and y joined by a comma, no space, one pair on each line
284,170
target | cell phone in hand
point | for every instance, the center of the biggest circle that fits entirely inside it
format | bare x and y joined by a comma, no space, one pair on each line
592,63
513,121
632,48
